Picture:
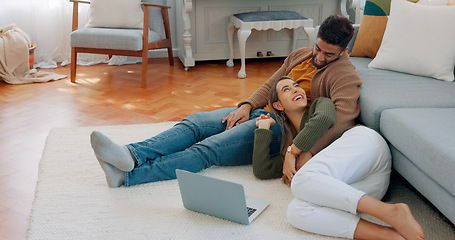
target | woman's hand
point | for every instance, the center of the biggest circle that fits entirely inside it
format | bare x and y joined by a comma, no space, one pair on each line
303,158
237,116
289,169
265,121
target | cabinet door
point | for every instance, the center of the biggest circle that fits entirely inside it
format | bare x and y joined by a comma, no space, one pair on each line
210,20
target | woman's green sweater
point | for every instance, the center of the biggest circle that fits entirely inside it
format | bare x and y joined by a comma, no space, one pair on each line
315,122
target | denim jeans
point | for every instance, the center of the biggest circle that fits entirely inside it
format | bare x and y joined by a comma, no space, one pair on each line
197,142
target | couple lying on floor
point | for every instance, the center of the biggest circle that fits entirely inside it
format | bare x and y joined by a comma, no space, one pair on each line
334,168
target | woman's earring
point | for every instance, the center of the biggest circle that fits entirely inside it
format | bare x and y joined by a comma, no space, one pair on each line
283,116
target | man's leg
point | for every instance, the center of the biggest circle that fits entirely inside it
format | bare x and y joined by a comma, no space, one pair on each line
333,222
321,220
358,154
323,186
399,216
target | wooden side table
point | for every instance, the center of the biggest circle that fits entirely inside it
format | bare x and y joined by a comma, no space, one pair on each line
264,20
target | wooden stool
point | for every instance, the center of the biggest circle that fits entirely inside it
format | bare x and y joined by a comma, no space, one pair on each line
264,20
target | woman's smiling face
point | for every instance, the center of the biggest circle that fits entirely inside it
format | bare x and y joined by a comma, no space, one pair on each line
291,96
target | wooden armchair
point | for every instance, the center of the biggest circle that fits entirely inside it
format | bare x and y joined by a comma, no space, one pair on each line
120,41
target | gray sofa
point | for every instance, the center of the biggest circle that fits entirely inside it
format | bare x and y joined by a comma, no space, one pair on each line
417,117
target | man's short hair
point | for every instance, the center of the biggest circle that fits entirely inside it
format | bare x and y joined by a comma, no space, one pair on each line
336,30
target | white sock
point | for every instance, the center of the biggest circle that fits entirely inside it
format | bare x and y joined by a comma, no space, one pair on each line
107,151
114,176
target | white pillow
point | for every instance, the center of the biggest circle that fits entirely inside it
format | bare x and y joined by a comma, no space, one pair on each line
433,2
419,40
116,14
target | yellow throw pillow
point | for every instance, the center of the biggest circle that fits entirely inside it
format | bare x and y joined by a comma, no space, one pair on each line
369,38
370,34
451,3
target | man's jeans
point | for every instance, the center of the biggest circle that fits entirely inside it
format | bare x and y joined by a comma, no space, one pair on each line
197,142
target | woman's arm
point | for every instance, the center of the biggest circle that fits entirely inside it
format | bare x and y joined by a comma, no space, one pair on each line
316,121
321,117
265,167
342,88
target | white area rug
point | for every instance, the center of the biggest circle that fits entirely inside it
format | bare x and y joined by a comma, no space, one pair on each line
73,201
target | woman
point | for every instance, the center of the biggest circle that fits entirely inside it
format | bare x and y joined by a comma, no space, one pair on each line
345,178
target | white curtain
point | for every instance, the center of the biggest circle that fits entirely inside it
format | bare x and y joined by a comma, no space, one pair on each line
48,23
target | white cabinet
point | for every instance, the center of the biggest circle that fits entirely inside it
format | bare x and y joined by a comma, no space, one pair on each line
202,27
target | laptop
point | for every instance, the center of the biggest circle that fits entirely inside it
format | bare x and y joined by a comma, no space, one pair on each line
218,198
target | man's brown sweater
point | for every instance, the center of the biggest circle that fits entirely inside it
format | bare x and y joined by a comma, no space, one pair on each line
338,81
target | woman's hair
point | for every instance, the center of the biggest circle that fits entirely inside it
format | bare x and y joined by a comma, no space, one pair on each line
288,131
336,30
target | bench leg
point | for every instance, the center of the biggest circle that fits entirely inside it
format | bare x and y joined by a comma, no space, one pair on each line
231,30
295,34
310,33
242,34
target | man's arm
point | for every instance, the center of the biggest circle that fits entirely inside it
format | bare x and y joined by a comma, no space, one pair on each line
237,116
260,97
257,100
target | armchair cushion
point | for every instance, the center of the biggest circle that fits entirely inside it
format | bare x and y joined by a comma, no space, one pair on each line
111,38
155,17
115,14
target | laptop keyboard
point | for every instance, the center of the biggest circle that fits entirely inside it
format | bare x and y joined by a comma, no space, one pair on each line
251,211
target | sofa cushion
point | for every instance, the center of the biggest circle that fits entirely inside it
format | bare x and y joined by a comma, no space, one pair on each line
424,135
372,27
383,89
410,39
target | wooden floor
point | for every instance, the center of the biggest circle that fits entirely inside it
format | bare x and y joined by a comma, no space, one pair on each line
103,95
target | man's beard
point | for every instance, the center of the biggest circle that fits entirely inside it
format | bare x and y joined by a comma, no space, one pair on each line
325,63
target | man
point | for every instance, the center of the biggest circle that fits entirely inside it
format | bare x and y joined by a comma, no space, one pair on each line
205,139
323,71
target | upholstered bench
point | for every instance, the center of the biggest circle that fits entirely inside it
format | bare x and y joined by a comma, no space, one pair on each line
264,20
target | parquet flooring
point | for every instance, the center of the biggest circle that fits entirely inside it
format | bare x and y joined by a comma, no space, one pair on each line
103,95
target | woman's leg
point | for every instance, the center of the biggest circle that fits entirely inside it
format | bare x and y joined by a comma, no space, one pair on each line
324,183
191,130
117,159
227,148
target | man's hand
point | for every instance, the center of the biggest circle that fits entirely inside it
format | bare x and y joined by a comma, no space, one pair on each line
237,116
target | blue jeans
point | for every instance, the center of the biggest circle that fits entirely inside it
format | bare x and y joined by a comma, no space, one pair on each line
197,142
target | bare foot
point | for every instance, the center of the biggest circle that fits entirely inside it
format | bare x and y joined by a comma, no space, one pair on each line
372,231
401,218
